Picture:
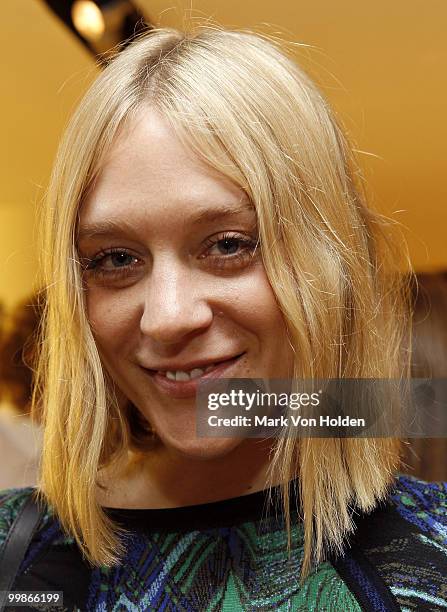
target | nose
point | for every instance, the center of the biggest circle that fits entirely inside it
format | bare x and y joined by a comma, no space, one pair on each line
175,304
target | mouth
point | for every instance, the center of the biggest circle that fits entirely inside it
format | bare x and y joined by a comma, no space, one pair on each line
185,384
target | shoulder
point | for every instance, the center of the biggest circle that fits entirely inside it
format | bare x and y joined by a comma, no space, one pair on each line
403,544
11,502
423,504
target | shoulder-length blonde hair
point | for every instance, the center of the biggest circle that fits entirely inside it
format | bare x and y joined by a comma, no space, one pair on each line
247,109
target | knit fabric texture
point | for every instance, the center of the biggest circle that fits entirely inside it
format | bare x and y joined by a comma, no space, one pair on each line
232,556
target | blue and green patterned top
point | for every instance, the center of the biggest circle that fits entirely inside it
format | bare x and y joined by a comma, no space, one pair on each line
231,556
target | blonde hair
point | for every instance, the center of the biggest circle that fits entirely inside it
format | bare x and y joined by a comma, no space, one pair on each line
247,109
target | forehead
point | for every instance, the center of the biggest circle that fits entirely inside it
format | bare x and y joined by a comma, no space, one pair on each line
150,172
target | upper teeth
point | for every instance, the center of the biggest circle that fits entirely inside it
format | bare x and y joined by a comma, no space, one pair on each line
182,375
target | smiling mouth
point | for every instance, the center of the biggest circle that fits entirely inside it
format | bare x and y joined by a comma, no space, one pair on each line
197,372
184,384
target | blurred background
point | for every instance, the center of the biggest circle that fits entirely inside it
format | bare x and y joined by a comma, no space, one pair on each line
381,65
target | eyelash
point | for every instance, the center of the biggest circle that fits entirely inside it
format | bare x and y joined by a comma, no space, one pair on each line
220,262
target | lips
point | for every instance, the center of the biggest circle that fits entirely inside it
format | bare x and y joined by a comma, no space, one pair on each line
188,388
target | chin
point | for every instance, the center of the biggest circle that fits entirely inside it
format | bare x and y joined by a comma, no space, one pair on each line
202,449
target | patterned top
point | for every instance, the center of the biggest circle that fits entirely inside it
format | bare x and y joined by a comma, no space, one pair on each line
231,556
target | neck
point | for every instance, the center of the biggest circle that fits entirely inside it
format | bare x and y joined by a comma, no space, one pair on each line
166,479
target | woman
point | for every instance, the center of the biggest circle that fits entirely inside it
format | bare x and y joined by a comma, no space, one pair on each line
204,220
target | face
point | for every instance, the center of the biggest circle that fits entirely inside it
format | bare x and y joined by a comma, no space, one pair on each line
175,286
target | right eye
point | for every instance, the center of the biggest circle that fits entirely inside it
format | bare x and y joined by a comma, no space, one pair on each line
112,263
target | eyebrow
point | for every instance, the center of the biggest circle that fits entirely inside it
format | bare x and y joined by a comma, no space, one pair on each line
115,227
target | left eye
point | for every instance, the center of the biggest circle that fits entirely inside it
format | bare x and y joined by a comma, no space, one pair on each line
229,251
229,246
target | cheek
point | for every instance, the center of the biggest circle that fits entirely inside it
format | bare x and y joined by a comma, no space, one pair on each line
258,305
266,322
111,317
